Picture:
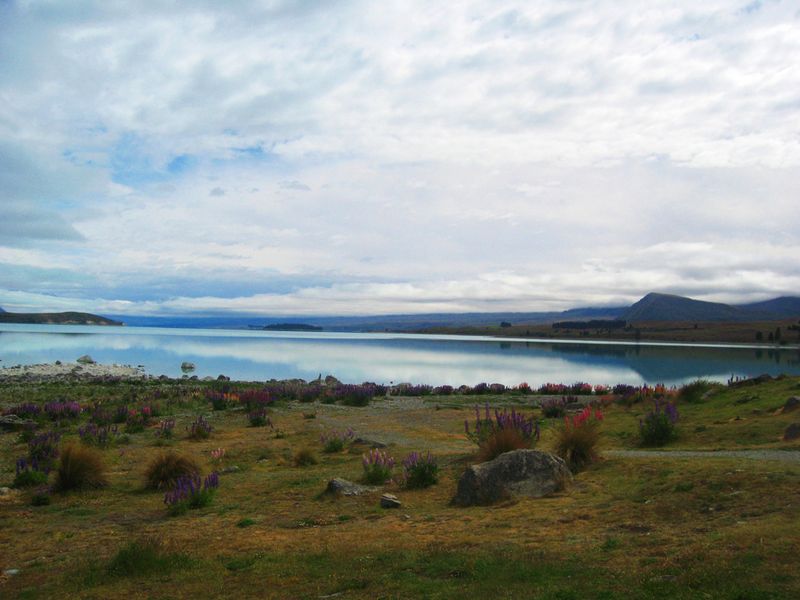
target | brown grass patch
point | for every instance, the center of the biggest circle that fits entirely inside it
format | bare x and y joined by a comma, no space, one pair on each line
80,468
502,440
164,470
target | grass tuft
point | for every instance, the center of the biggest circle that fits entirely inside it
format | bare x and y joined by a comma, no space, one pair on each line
80,468
165,469
145,557
501,441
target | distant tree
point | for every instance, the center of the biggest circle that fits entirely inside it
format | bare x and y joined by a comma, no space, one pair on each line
505,324
777,334
771,337
759,336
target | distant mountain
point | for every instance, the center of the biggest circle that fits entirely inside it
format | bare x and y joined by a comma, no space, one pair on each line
1,310
667,307
63,318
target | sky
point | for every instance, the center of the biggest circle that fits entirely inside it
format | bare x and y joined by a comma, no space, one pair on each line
349,157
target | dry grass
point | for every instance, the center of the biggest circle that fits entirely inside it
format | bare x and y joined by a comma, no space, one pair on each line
164,470
80,468
502,440
578,445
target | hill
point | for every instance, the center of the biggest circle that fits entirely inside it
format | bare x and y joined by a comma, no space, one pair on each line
62,318
668,307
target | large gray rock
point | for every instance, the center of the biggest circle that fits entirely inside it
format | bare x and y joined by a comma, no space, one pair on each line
792,432
791,404
530,473
344,487
86,360
15,423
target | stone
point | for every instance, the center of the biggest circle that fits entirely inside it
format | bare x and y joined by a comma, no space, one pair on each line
223,378
792,432
791,404
331,380
187,366
344,487
529,473
5,491
11,572
390,501
231,469
15,423
86,360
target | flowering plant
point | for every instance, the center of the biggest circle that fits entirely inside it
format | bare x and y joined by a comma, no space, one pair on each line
658,427
191,492
377,466
335,441
420,471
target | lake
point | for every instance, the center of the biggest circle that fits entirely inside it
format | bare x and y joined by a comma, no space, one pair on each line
389,358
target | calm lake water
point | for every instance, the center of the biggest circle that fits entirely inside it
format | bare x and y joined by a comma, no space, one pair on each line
385,358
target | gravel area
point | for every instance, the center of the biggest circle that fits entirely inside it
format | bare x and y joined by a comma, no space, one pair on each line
67,370
791,456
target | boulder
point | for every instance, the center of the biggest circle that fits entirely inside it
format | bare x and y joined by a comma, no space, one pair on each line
15,423
344,487
86,360
791,404
390,501
530,473
792,432
187,366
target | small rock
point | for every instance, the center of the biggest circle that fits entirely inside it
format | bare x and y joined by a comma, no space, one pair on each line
792,432
58,362
791,404
11,572
390,501
5,491
86,360
231,469
344,487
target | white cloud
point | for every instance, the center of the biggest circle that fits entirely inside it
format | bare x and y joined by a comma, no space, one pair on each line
408,156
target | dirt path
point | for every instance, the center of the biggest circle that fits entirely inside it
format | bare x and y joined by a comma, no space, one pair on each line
789,456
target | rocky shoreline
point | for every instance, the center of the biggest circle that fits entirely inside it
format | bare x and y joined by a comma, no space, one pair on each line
70,370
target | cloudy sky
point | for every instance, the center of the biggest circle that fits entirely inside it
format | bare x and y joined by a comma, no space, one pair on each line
344,157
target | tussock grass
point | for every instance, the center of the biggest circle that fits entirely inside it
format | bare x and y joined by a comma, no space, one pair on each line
164,470
80,468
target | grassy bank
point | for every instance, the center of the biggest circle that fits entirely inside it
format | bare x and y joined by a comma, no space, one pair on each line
644,527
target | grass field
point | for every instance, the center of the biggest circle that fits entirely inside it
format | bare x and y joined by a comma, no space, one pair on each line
644,527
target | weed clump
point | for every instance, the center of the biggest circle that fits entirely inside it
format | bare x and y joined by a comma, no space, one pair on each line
305,457
80,468
377,466
191,492
200,429
503,433
420,471
335,441
693,392
658,427
578,438
165,469
28,474
145,557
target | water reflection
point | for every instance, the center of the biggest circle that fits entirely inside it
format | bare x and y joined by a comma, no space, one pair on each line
387,358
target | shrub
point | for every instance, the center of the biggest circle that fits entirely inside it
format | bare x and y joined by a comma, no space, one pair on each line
693,392
353,395
190,492
577,440
165,428
255,399
219,400
43,450
40,497
500,441
335,441
145,557
137,420
528,428
164,470
377,466
658,426
28,474
100,436
258,418
80,468
420,471
555,408
56,411
200,429
305,457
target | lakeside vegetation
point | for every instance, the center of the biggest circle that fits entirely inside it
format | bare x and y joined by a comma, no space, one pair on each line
785,332
645,526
